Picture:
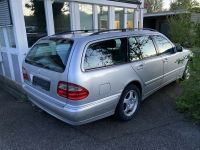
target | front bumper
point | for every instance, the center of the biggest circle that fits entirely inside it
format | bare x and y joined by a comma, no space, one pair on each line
74,115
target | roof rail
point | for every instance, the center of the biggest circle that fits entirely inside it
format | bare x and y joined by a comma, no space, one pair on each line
103,31
123,30
99,31
75,31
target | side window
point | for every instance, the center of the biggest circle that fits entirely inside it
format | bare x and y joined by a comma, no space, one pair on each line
146,46
141,47
164,46
105,53
135,52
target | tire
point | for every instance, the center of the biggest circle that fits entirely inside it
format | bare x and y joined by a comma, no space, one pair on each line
186,74
128,104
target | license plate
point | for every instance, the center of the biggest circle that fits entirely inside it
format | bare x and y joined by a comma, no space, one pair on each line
44,84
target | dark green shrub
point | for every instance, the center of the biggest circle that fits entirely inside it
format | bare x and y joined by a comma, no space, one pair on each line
181,29
189,101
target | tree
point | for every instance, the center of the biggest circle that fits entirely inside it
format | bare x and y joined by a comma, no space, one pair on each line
183,4
180,29
154,5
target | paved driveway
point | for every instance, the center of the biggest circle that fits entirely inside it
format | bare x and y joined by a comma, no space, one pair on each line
156,126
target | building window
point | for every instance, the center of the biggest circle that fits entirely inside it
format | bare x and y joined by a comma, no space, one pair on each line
11,38
102,17
35,21
2,39
119,18
130,18
61,14
86,16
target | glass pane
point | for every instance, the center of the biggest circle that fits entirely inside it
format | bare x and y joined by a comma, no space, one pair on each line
134,49
35,21
130,18
50,53
102,17
105,53
86,16
61,16
146,46
119,18
11,38
164,46
2,39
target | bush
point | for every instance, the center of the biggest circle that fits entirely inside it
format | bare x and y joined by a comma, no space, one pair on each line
186,33
181,29
197,35
189,101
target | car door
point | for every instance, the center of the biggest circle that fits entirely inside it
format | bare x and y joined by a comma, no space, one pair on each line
145,62
169,57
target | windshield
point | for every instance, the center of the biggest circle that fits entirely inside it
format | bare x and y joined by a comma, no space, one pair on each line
50,53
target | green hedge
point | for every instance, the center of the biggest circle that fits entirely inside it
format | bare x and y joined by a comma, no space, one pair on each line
189,101
187,33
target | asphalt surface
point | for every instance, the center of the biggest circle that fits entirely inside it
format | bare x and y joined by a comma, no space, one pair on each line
157,126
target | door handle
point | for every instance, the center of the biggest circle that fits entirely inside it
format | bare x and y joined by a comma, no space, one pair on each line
165,60
140,66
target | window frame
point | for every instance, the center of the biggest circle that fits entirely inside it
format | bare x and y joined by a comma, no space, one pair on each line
103,67
141,35
160,54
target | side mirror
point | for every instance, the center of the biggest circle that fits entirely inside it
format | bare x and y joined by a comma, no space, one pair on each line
179,48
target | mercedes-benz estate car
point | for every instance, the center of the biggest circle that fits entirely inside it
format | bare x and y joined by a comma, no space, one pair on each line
82,77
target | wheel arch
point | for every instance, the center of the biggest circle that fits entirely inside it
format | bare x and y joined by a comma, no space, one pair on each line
137,84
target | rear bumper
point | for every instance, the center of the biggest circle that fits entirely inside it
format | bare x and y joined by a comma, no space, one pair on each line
74,115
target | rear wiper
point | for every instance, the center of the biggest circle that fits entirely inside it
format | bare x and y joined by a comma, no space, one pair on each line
37,63
30,61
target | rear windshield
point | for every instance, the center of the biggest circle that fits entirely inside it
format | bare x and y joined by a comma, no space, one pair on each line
50,53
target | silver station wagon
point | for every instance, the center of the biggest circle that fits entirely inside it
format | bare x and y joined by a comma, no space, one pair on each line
80,77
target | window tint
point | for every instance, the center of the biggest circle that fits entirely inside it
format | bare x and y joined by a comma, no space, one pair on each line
51,54
141,47
105,53
164,46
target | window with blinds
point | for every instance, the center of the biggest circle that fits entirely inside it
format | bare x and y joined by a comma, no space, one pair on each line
5,16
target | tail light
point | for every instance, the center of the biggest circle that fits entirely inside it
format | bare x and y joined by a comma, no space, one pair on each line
71,91
25,74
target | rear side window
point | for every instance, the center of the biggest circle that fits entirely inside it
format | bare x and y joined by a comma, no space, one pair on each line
50,53
141,47
164,46
106,53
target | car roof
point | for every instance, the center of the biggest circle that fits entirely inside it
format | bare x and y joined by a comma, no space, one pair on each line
88,36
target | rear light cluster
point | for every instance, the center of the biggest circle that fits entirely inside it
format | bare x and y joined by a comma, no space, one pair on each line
25,74
71,91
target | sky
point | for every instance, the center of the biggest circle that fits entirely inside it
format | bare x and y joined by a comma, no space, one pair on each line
166,3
